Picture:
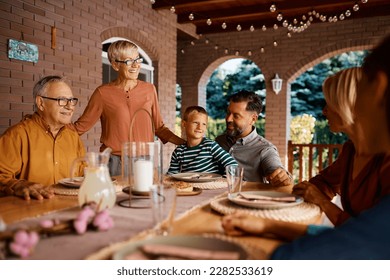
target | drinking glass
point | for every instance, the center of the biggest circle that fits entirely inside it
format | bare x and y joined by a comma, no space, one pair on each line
234,175
163,204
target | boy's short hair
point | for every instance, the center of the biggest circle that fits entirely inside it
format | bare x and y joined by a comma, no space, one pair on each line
191,109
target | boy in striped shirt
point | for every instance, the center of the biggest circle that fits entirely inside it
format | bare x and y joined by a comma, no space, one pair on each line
198,154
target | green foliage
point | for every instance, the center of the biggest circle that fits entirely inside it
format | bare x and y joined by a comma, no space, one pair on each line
178,99
306,90
323,135
220,87
302,129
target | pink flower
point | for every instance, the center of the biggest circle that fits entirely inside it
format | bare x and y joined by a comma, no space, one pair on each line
80,226
24,243
85,214
103,221
46,223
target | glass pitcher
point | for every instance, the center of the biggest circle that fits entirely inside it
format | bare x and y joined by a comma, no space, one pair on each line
97,185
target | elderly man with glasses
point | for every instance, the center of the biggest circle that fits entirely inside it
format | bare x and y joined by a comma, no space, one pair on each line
38,151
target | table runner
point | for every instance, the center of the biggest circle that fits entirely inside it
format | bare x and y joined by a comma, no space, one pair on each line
128,223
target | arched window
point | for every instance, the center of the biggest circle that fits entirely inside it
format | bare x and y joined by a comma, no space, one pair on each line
146,71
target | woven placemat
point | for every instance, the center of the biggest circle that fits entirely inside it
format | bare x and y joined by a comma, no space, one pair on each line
217,184
302,212
253,253
63,190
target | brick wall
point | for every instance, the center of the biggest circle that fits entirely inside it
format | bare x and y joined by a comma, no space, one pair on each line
289,59
81,27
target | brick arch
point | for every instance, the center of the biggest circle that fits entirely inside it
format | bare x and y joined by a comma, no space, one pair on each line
327,52
206,74
133,35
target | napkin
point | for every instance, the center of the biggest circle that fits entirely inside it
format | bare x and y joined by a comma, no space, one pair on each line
187,252
253,197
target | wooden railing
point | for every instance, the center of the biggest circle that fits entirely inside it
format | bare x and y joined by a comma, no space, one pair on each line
306,160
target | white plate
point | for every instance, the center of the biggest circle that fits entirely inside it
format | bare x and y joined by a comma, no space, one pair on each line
75,183
196,177
188,241
264,204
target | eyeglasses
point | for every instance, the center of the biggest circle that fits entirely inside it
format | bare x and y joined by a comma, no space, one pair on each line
63,101
129,62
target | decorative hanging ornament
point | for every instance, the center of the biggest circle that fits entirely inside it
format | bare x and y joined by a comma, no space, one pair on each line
209,22
272,8
224,25
173,10
191,16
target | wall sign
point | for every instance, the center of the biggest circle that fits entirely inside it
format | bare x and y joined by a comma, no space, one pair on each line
22,51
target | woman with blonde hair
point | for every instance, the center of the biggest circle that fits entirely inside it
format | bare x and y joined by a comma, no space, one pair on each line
353,176
126,98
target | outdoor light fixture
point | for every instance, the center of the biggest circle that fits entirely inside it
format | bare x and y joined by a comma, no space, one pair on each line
277,83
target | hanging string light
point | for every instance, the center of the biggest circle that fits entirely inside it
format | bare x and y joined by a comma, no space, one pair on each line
297,25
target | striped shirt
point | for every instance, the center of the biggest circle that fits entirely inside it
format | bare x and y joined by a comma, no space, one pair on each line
207,157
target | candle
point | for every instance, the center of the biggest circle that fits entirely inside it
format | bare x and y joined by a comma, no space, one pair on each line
143,175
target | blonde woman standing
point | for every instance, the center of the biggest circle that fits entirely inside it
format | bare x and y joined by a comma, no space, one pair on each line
119,101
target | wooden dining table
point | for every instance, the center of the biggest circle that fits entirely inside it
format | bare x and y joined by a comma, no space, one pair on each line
194,216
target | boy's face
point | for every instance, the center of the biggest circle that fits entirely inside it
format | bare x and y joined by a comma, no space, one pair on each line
196,125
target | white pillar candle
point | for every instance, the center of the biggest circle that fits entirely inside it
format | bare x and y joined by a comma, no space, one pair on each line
143,175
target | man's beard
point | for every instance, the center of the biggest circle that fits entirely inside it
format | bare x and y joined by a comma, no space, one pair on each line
235,132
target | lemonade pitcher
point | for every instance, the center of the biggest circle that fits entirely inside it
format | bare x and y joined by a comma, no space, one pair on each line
97,185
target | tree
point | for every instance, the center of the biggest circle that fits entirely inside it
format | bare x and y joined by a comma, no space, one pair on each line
306,90
247,77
